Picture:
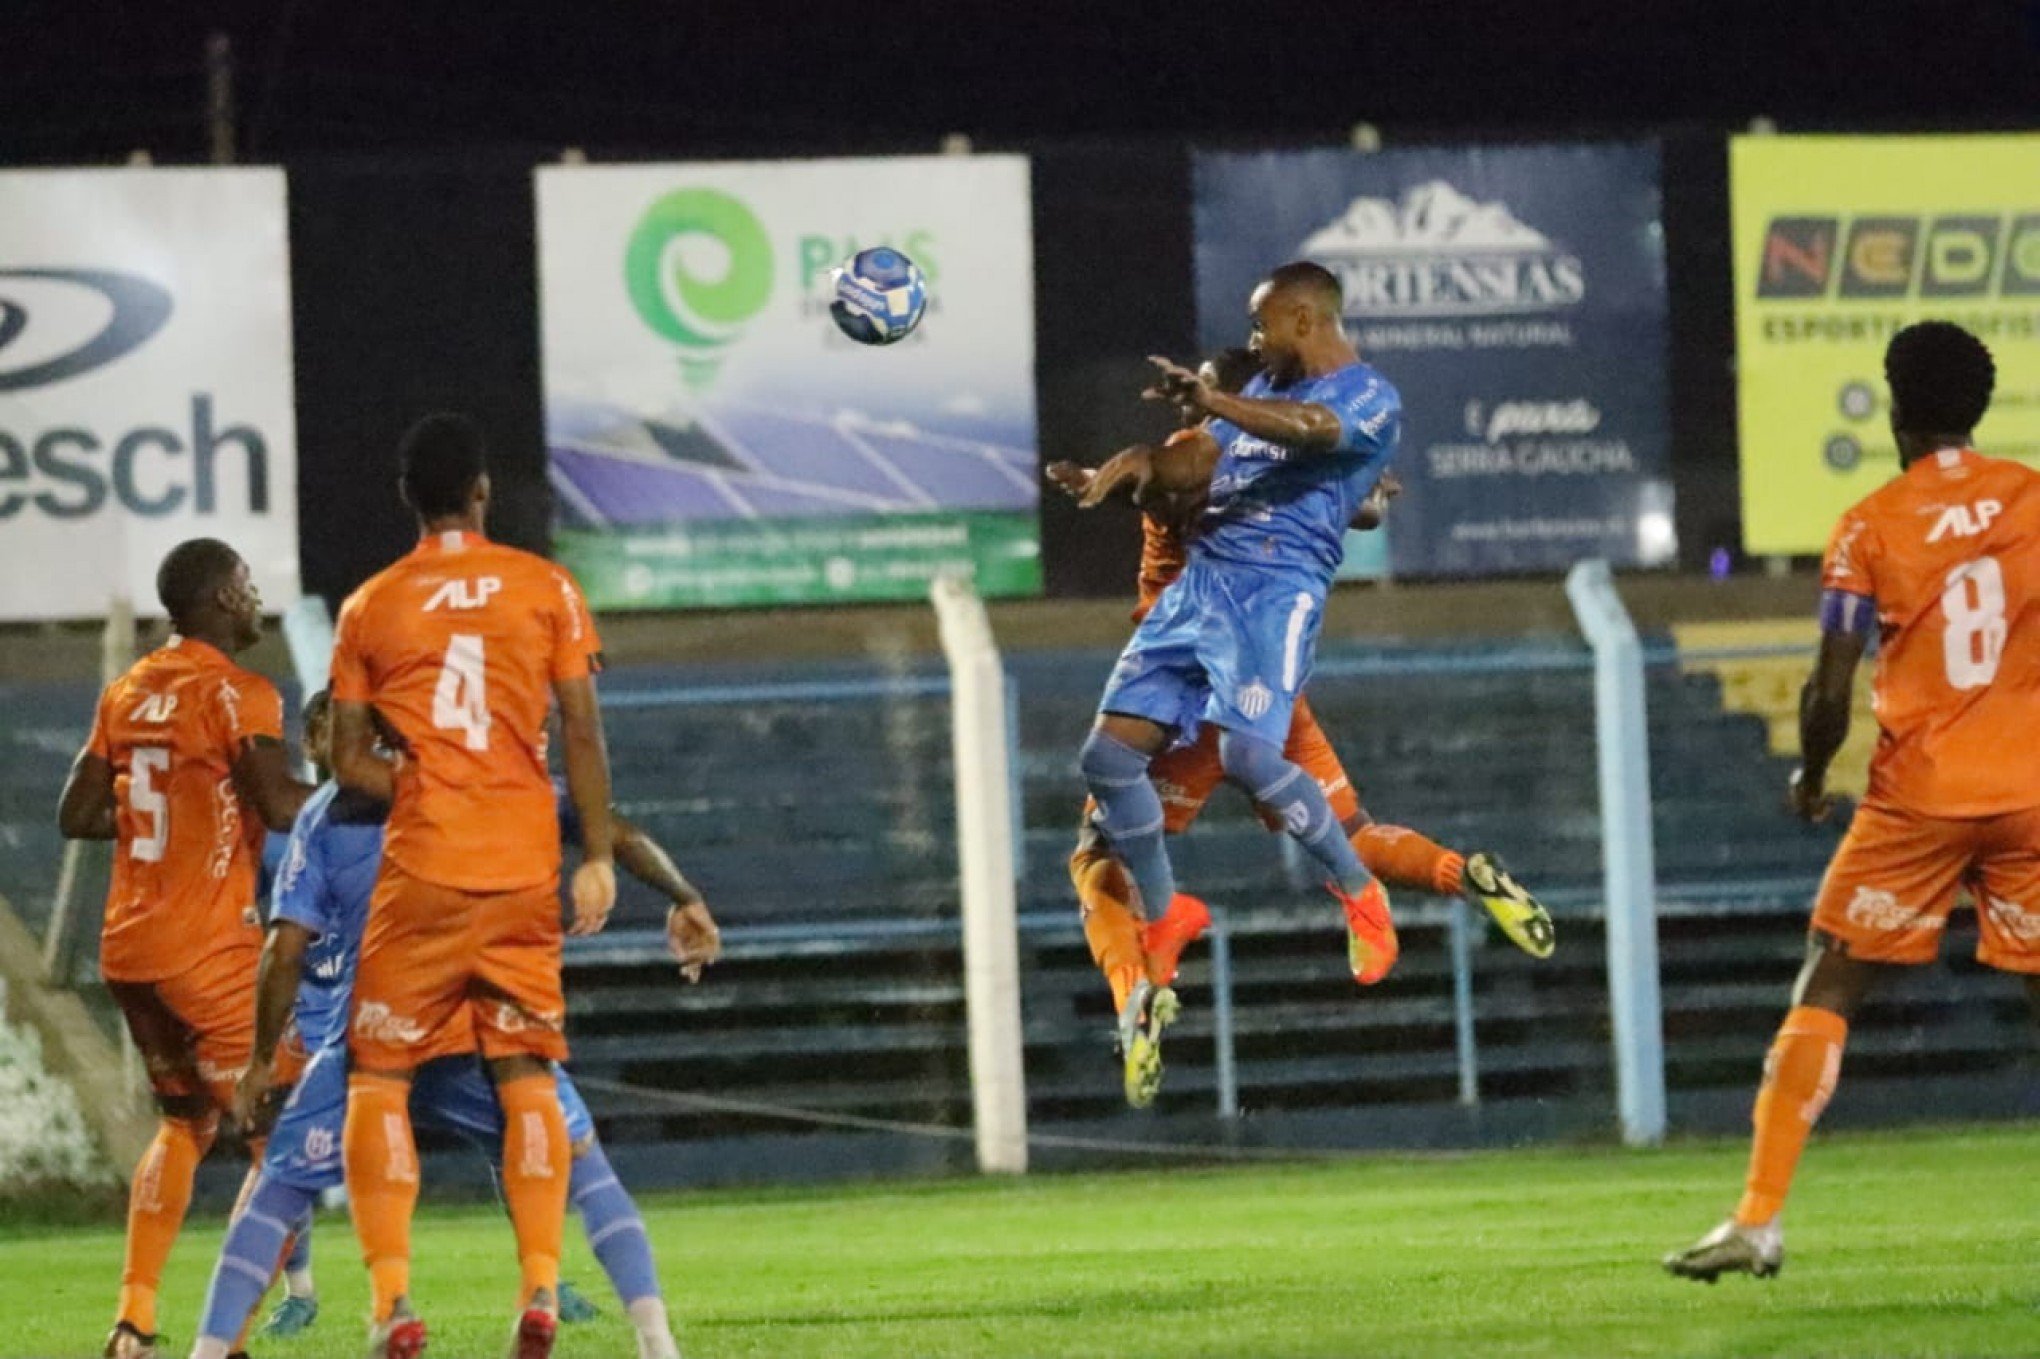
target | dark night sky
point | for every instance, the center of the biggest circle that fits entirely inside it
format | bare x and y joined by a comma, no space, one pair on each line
87,80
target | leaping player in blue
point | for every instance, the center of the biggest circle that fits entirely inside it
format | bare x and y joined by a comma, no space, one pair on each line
306,982
1231,641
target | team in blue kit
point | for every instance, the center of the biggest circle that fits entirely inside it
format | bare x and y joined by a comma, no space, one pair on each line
321,896
1231,642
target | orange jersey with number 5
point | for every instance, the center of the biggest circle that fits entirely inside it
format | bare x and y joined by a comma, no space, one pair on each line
187,848
1949,554
458,645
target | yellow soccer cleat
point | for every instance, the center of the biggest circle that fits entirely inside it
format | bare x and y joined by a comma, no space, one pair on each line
1149,1009
1490,886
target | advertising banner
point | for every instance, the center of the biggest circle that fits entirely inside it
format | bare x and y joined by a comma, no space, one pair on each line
1516,297
715,440
146,390
1840,242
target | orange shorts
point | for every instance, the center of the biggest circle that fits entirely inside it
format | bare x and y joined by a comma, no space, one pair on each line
446,971
1888,893
196,1030
1187,777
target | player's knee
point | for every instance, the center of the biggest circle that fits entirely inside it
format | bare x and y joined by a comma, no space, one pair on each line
200,1125
1106,761
1251,761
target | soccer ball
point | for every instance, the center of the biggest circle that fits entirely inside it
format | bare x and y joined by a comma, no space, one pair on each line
880,295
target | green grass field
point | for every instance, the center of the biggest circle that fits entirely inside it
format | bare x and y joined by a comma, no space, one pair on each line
1897,1244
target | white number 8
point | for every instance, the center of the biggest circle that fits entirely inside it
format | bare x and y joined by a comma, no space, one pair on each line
1974,604
461,702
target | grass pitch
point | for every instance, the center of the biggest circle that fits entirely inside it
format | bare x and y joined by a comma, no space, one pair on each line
1896,1244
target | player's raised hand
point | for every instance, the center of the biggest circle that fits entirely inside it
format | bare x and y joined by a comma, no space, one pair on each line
1128,469
1069,478
594,896
1175,383
692,937
1809,801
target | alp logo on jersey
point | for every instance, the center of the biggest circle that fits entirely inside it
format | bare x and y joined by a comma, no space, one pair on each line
1965,521
464,593
154,709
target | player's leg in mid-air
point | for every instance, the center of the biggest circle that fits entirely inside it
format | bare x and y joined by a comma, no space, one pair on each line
301,1161
1883,905
455,1095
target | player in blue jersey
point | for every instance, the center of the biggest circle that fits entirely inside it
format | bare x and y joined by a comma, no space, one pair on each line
306,985
1230,642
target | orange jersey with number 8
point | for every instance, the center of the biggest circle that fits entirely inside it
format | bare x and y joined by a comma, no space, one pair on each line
1948,553
458,645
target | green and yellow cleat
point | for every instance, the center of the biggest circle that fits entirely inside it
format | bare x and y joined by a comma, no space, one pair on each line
1149,1009
1488,884
1731,1248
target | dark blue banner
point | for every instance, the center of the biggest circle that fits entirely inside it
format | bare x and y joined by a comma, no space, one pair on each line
1516,296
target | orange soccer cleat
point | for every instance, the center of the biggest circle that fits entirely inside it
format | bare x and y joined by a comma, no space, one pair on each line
1371,947
1164,940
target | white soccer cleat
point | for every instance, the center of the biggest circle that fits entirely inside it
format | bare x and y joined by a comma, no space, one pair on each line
1732,1248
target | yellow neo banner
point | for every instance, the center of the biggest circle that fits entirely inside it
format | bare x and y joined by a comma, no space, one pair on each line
1840,242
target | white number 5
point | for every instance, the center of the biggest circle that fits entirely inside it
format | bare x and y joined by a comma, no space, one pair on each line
461,702
148,800
1974,604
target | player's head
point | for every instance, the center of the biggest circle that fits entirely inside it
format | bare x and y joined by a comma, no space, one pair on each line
204,586
1941,378
1295,311
444,472
319,730
1228,370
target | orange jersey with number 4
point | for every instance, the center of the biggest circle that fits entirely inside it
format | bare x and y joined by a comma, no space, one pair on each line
187,848
458,645
1949,551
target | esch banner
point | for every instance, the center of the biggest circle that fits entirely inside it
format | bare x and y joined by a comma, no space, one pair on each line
1516,296
146,389
1839,243
716,441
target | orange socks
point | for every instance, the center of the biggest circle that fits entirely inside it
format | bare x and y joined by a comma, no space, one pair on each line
156,1205
382,1183
536,1162
1401,857
1110,926
1799,1077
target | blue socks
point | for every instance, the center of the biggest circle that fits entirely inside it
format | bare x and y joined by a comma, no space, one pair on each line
1130,814
1286,790
615,1231
248,1259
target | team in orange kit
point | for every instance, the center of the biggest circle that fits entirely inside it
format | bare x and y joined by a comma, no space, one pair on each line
1134,953
1943,563
452,659
185,770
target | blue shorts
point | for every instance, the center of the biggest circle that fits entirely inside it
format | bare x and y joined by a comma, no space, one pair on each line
452,1094
1224,645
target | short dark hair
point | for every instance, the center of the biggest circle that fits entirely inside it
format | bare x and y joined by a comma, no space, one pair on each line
1941,378
193,570
440,459
317,704
1234,368
1314,280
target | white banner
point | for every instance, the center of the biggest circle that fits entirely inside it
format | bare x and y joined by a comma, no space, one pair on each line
715,440
145,382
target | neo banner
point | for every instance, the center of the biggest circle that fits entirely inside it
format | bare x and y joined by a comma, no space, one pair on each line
715,440
1516,297
146,389
1840,242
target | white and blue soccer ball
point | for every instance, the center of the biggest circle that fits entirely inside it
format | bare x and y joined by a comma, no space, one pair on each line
880,295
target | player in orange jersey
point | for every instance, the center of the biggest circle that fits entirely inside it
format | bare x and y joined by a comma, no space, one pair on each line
1943,563
453,656
1134,953
185,770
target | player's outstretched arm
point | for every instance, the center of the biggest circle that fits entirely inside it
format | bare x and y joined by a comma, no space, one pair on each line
1304,426
1824,706
587,762
276,985
86,810
356,766
691,932
262,776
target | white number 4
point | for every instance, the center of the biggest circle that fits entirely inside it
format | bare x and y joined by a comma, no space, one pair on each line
461,702
1974,604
